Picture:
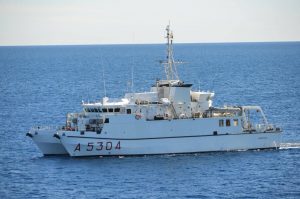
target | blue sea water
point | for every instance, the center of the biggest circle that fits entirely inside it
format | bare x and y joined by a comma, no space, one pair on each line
40,84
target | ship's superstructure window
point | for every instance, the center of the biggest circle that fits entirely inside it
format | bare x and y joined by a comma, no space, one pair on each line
235,122
128,111
97,110
221,123
104,110
228,122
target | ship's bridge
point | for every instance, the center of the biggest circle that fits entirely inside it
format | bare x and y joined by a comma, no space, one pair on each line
106,106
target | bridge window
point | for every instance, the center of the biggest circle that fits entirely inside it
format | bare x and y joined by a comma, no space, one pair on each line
128,111
235,122
228,122
104,110
110,110
221,123
117,110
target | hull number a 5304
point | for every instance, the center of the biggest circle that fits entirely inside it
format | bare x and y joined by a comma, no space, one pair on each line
99,146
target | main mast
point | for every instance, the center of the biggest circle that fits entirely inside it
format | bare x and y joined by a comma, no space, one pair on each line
169,63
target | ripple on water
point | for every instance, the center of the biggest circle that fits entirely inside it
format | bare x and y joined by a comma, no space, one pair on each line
39,85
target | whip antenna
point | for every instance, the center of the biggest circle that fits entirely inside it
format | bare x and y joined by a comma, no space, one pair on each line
103,77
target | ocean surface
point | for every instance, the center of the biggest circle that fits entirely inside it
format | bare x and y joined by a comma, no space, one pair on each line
40,84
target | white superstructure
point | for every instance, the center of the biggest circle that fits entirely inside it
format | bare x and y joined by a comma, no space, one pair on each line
170,118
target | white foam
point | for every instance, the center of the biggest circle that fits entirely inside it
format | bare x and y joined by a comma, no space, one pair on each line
289,145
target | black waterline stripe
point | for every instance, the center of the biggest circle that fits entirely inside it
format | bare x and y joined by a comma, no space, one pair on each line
155,138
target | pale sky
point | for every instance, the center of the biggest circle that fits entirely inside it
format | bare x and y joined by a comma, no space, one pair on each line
54,22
